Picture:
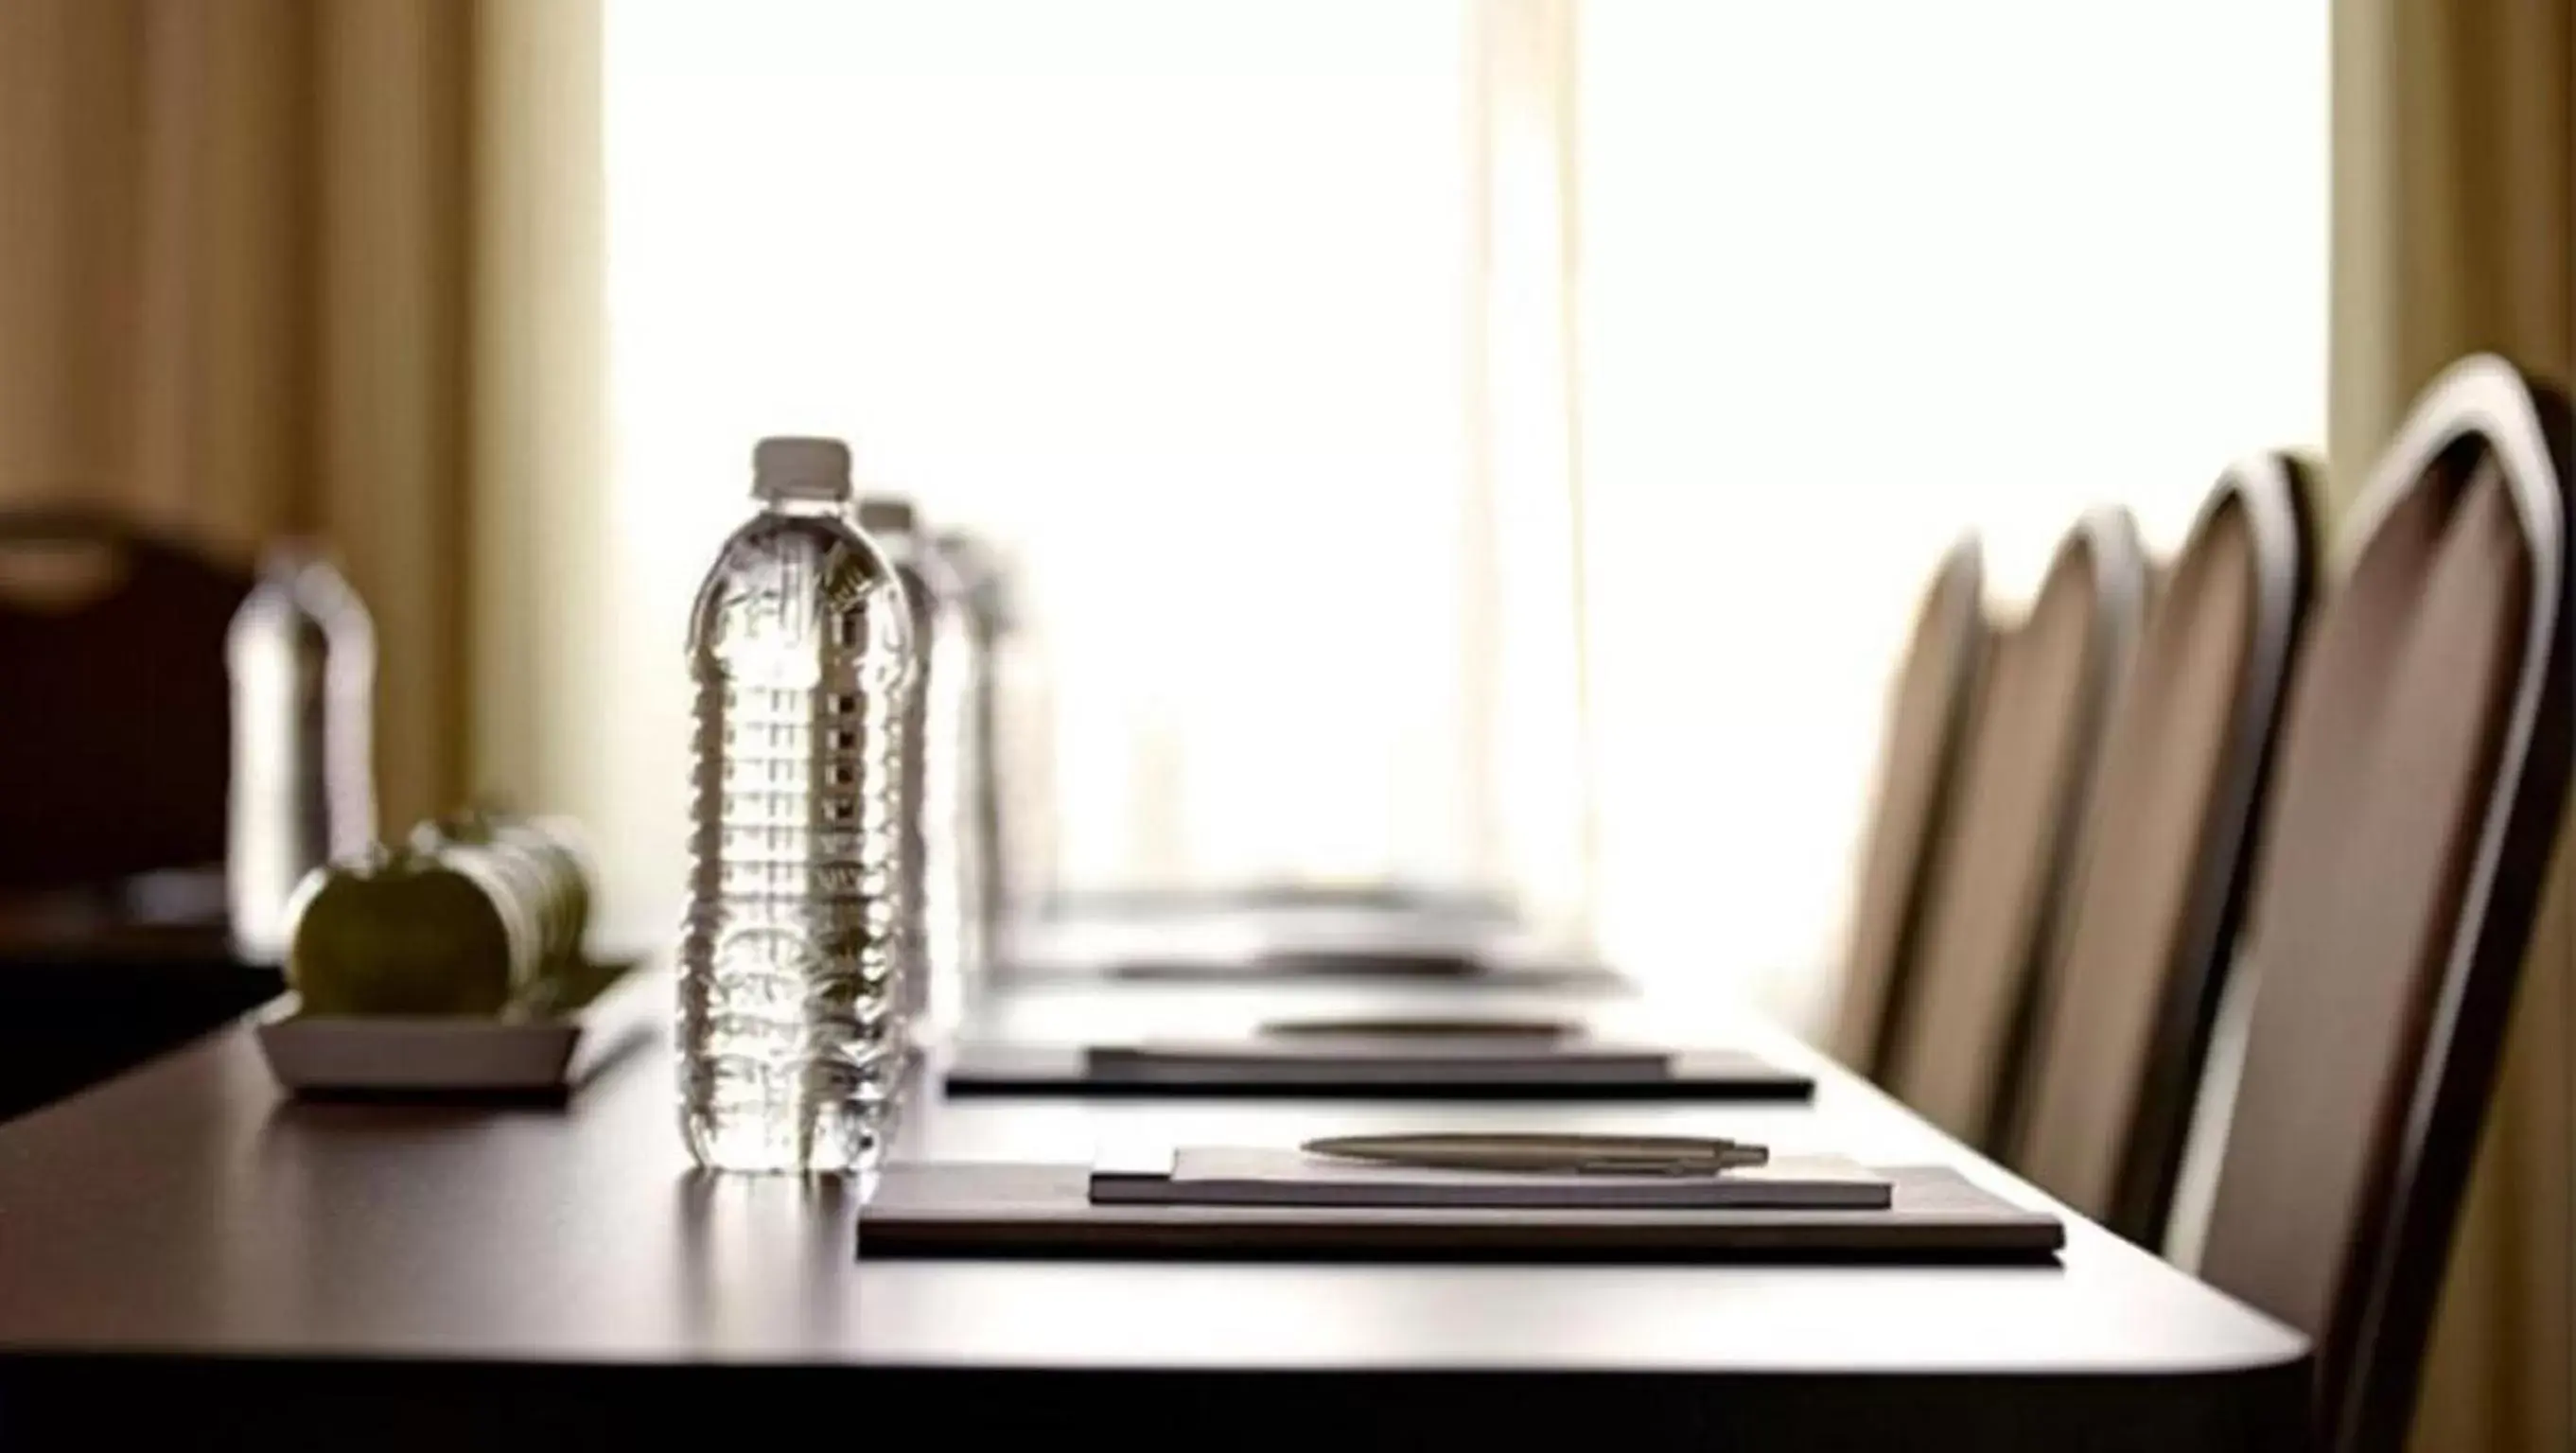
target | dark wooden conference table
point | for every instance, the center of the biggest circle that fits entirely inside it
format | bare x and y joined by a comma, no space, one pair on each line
186,1252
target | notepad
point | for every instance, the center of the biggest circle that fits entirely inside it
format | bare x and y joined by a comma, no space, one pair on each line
1256,1176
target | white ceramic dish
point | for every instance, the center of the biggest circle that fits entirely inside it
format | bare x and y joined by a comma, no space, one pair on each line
316,1054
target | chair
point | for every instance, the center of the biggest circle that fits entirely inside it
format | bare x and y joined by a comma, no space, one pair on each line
1999,873
119,738
114,763
1927,716
2422,771
2123,1020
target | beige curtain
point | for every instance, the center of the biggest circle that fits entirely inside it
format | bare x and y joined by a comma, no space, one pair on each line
244,252
2453,169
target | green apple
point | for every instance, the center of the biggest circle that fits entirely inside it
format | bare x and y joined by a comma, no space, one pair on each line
399,931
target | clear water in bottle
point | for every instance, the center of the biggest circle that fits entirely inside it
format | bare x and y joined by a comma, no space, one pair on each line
938,816
793,1039
302,655
988,620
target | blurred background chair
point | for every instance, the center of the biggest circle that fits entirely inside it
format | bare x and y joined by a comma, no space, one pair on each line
2422,776
2123,1019
1927,716
2001,865
118,704
112,801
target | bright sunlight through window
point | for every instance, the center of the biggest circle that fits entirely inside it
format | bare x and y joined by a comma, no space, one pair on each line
1179,301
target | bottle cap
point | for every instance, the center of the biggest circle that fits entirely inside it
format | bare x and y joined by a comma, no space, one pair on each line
890,514
800,468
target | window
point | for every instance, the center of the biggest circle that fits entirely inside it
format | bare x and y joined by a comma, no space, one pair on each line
1858,275
1234,320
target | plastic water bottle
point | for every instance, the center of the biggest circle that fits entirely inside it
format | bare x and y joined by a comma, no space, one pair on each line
989,615
302,655
938,814
793,1040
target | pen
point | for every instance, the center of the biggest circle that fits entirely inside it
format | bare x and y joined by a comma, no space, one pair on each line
1548,1154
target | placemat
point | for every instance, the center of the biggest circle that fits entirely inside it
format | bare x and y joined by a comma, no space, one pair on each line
998,1067
1447,969
959,1209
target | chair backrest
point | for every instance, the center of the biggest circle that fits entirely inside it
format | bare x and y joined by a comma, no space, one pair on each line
2123,1015
1927,716
2421,775
117,746
1999,872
